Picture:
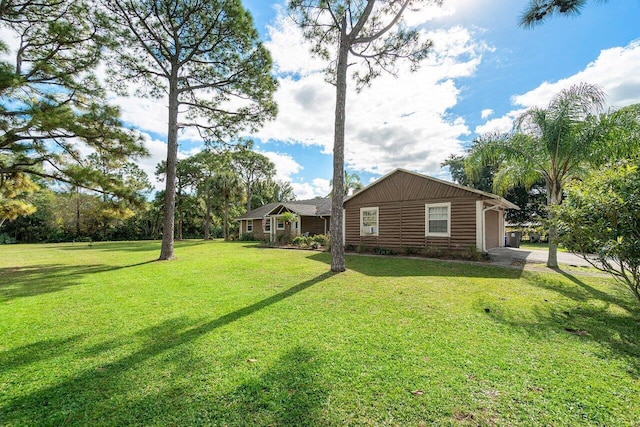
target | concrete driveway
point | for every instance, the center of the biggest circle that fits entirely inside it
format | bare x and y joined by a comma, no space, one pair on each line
507,256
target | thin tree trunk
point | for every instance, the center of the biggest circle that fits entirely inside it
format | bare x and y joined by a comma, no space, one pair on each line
337,245
554,196
207,220
248,198
166,252
226,219
77,211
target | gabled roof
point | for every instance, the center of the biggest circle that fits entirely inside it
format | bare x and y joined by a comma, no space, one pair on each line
499,200
312,207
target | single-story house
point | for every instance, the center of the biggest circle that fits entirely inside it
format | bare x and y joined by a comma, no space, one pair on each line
407,209
266,221
401,209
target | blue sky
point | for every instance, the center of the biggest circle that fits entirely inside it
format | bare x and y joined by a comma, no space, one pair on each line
483,70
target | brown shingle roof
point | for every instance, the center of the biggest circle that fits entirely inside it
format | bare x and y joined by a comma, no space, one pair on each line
311,207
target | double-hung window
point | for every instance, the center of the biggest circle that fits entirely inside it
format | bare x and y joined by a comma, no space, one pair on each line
369,221
280,225
249,225
438,219
267,225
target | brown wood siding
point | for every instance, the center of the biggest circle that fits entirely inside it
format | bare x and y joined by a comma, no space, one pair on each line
257,228
313,225
402,224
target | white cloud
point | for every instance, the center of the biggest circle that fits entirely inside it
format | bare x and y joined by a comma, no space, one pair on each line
615,70
286,44
318,188
398,122
486,113
286,166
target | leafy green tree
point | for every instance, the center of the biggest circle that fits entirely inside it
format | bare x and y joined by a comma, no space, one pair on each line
206,165
600,216
351,184
270,191
555,144
185,188
13,189
531,201
228,186
51,103
206,58
369,32
252,168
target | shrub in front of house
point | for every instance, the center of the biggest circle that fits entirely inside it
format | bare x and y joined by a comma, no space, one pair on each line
248,237
301,241
321,239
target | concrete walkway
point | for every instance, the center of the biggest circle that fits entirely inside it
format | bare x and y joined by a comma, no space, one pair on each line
509,256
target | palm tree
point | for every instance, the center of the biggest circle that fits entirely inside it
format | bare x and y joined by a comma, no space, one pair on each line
555,144
350,182
229,187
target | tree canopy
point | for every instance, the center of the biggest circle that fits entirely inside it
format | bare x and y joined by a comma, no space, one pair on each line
370,32
555,144
53,110
600,217
206,58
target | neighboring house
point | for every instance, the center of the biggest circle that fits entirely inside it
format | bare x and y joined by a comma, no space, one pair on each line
407,209
401,209
266,221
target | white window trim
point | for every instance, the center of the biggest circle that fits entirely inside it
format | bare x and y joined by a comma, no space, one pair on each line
377,210
249,226
278,224
426,219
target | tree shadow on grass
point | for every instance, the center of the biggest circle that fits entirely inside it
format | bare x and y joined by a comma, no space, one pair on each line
582,292
126,246
392,266
290,392
36,352
19,282
618,332
92,394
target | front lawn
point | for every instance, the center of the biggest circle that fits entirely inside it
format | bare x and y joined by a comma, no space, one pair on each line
232,334
540,246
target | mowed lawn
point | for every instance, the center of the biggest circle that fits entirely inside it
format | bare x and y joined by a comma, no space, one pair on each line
232,334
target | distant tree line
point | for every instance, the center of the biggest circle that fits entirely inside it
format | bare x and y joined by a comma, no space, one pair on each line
213,187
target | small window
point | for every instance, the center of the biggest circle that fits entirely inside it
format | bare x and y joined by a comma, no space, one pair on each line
280,224
369,221
438,219
249,225
267,224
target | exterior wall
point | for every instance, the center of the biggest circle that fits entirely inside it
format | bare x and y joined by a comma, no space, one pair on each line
492,228
257,228
313,225
401,200
402,224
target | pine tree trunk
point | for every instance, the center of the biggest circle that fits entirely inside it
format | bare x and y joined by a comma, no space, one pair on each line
249,198
77,211
337,245
166,252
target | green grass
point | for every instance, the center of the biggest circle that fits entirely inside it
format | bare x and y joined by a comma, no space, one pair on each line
540,246
232,334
